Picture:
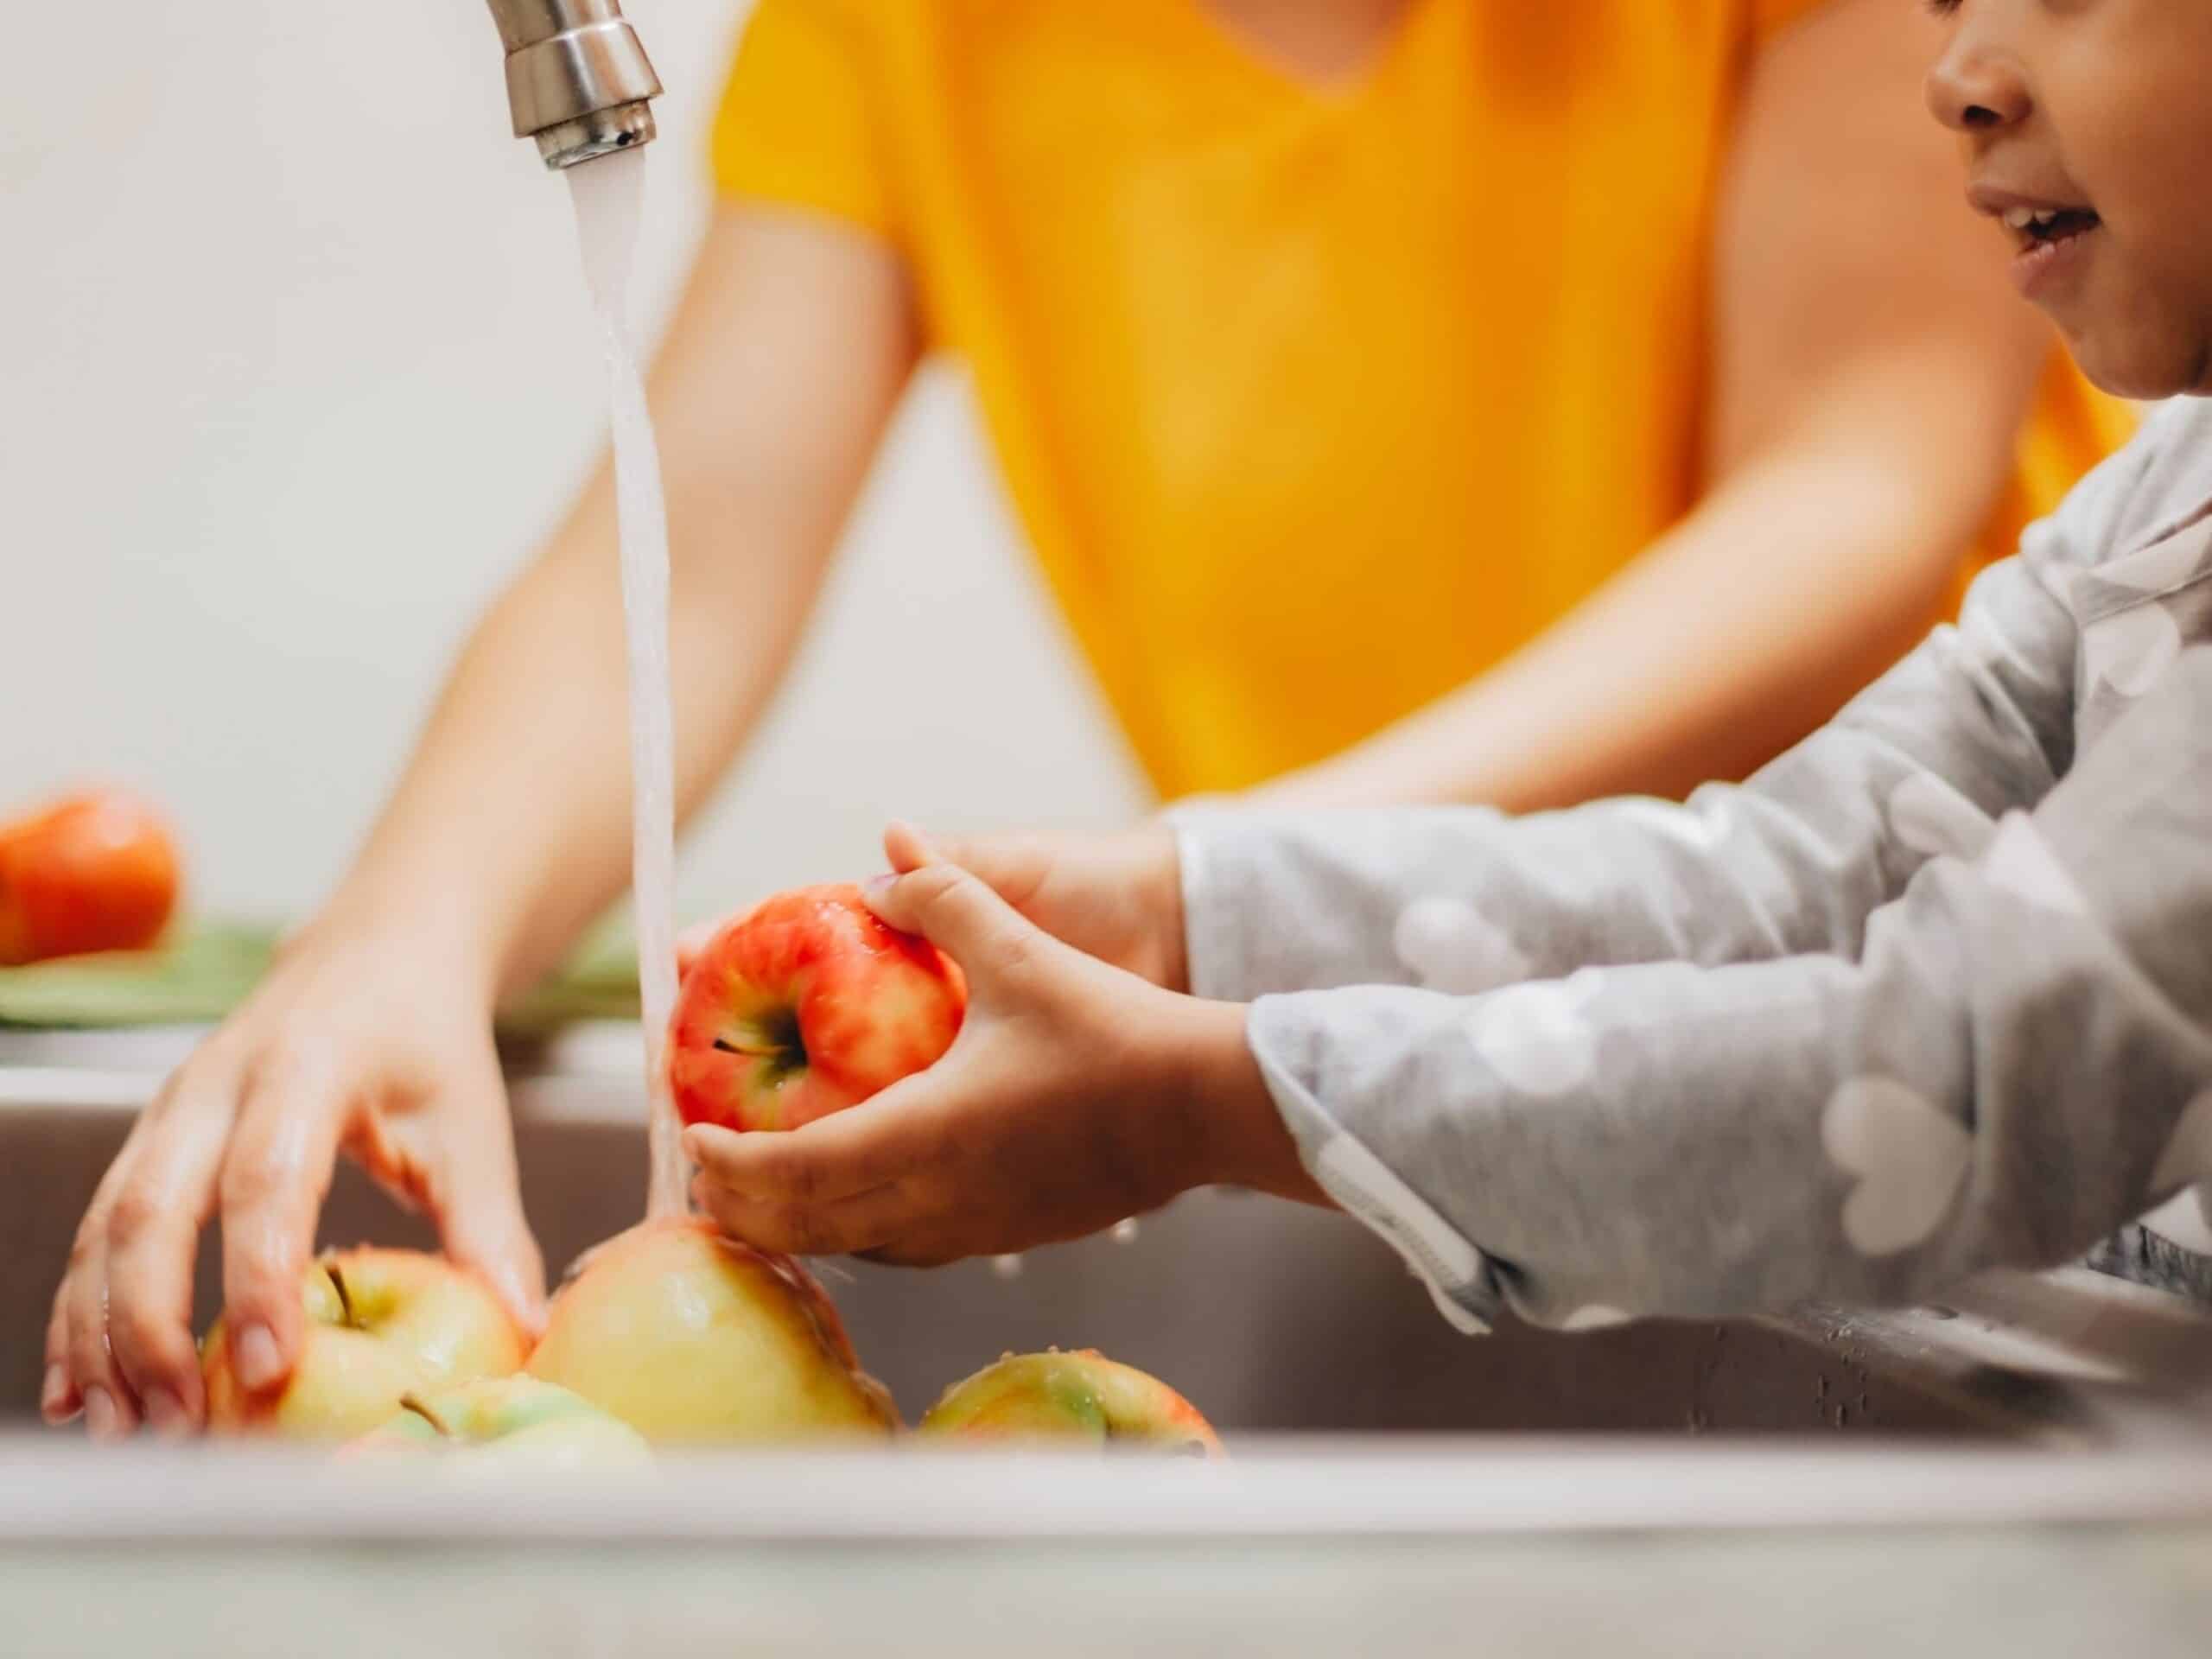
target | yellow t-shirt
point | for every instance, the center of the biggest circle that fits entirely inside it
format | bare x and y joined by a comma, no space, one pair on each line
1314,404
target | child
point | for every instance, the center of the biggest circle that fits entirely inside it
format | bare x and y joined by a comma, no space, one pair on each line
1930,994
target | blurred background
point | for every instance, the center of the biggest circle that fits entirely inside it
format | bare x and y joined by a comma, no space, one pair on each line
299,367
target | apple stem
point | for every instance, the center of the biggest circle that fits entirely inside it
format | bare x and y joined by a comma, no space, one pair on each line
416,1403
345,1297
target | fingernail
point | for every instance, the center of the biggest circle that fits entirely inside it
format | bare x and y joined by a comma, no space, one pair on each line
102,1421
259,1365
875,886
53,1396
165,1412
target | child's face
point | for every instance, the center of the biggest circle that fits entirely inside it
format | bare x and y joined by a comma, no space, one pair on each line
2095,116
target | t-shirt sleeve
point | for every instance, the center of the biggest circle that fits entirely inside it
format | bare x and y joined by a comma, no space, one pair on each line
801,122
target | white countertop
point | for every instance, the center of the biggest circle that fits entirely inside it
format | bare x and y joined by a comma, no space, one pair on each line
1529,1549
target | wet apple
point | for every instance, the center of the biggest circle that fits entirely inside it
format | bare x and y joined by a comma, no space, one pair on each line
1081,1396
805,1006
687,1335
498,1424
380,1324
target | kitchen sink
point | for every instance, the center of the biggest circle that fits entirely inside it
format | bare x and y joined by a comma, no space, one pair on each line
2025,1473
1270,1316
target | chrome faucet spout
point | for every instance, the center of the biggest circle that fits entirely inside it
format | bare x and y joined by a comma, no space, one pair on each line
578,78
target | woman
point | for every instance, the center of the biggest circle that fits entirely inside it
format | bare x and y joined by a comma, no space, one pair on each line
1406,399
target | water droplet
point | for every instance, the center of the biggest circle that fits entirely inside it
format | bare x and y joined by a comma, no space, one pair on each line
1125,1230
1007,1267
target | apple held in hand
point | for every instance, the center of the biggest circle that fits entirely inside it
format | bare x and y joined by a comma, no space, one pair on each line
1080,1396
808,1005
502,1424
381,1324
95,872
686,1335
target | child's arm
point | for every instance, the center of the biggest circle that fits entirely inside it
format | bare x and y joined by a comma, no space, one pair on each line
1976,723
1076,1094
1233,903
2016,1064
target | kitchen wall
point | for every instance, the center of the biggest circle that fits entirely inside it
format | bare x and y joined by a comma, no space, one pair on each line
295,367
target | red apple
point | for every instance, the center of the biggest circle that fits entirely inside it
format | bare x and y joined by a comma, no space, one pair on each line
381,1324
95,872
687,1335
806,1006
1082,1396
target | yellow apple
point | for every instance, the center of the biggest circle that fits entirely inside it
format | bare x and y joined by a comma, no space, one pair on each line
1081,1396
380,1324
502,1424
686,1335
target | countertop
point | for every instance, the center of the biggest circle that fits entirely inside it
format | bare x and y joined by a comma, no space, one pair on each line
1531,1550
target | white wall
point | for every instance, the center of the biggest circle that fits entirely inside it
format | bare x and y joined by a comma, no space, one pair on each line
295,366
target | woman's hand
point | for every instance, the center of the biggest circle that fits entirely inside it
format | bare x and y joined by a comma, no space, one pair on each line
366,1043
1076,1094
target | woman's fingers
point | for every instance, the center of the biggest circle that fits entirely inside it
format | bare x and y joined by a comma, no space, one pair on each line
153,1230
477,1193
57,1399
273,1182
109,1411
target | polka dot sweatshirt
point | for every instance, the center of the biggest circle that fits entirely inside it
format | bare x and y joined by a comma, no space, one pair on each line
1930,994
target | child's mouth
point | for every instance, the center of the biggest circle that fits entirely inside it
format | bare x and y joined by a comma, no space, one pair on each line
2050,241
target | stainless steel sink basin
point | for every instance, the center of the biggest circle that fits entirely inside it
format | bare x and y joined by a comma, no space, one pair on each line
1268,1316
1904,1457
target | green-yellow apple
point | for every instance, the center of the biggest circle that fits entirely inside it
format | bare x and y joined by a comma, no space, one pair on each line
808,1005
498,1424
380,1324
687,1335
1072,1396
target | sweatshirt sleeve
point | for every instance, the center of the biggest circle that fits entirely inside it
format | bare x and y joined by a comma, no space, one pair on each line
1975,723
2014,1066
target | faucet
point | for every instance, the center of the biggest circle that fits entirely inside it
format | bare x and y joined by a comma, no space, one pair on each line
578,80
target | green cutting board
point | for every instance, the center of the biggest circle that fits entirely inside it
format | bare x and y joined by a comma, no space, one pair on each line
205,971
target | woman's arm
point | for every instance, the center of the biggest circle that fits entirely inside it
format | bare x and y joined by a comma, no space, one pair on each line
1870,373
779,371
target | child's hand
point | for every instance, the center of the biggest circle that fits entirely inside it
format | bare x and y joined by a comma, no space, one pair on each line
1118,898
1075,1095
